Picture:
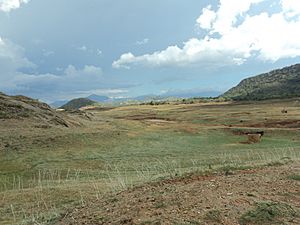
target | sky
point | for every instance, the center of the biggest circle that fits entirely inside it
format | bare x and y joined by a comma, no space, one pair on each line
62,49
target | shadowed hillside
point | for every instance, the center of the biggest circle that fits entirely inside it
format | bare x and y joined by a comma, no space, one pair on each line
24,108
281,83
77,103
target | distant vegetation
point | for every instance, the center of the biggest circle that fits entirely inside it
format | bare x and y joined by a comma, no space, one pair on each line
186,101
277,84
78,103
268,213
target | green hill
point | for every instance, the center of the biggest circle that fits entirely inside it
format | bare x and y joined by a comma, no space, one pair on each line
280,83
78,103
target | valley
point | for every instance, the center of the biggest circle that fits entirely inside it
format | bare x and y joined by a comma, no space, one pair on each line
46,171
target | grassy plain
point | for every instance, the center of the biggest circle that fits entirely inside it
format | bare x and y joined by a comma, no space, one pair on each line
45,171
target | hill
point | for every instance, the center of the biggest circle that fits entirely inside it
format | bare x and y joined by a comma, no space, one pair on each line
24,108
93,97
280,83
77,103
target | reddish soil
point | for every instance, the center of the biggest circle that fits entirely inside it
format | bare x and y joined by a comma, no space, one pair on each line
195,199
145,117
278,124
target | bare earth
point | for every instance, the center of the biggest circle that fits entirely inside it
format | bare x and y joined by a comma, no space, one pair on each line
197,199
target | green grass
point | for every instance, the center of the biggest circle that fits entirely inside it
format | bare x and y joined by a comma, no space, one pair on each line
295,177
55,168
213,216
268,213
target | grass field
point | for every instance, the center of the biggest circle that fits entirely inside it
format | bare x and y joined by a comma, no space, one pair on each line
45,171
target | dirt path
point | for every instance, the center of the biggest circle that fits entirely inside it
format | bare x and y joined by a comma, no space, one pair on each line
214,199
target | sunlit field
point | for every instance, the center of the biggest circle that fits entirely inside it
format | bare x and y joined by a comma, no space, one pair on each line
45,171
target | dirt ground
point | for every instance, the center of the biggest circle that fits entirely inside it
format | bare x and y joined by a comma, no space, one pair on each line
218,198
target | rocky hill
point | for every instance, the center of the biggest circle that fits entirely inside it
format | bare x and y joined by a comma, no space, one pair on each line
78,103
24,108
277,84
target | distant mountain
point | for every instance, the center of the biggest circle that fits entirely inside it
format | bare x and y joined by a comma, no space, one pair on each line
95,98
98,98
280,83
78,103
143,98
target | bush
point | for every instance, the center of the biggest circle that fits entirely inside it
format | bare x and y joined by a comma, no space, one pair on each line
267,213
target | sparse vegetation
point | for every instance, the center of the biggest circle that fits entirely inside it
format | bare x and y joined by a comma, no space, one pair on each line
295,177
280,84
45,170
78,103
213,216
268,213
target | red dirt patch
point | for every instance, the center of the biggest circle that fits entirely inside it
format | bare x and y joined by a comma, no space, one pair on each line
147,117
278,124
214,199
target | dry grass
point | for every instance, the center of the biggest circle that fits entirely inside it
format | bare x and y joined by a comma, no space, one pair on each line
45,171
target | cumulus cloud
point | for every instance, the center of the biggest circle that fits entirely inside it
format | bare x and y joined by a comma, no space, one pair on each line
207,18
233,34
291,7
8,5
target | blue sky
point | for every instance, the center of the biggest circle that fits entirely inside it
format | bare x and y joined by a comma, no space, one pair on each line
61,49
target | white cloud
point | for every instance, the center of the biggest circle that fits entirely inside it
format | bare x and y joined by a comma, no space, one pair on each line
14,80
13,54
50,86
193,51
233,35
12,59
227,15
71,77
207,18
8,5
143,42
88,70
291,8
68,81
107,92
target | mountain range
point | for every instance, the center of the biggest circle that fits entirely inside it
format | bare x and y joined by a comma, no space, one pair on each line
142,98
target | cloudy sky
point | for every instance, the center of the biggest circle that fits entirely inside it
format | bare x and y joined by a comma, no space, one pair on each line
60,49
